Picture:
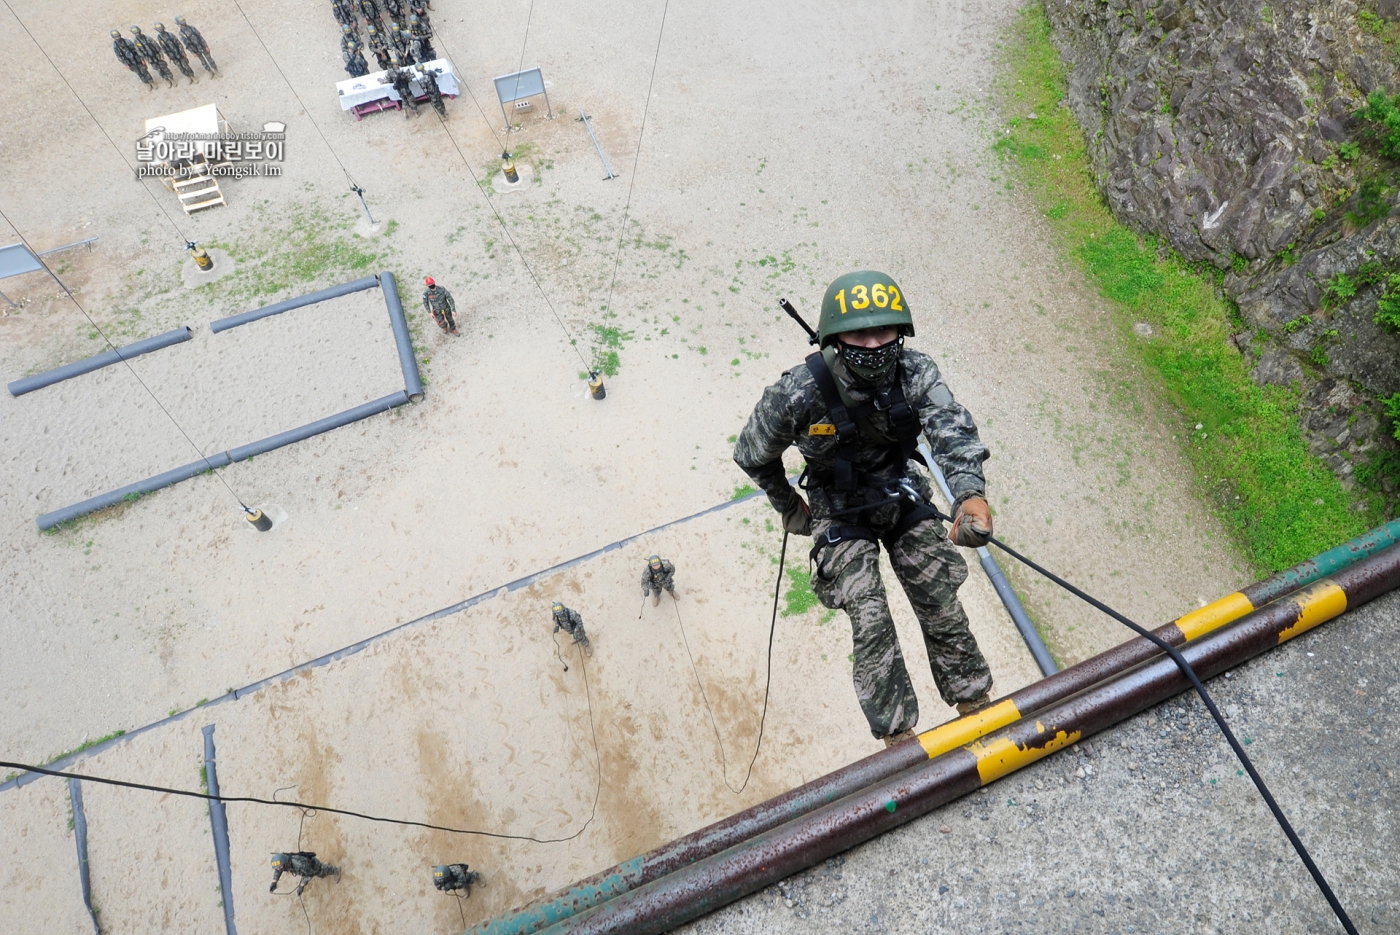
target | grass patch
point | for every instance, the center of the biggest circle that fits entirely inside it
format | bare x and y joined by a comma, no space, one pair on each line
298,247
799,597
743,490
1281,504
87,744
607,343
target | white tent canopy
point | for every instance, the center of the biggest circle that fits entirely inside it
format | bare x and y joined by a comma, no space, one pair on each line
203,120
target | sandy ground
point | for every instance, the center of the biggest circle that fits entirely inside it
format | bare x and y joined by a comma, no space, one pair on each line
783,146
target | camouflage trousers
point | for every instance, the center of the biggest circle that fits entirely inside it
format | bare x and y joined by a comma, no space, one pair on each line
930,569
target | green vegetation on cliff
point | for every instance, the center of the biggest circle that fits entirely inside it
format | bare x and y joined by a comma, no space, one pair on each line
1283,504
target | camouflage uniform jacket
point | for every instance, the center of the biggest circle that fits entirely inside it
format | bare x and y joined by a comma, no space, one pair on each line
659,580
302,863
126,52
439,300
192,39
171,46
457,877
149,51
569,620
791,406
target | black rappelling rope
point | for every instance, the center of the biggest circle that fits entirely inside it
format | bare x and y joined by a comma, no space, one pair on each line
767,678
1190,674
767,682
253,800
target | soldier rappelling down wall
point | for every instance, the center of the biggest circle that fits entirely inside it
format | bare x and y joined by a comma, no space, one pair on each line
855,411
571,622
455,878
304,864
658,575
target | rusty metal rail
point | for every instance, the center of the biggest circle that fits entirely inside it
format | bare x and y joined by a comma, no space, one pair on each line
706,885
615,881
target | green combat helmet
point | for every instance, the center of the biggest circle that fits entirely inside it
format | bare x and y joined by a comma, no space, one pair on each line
863,299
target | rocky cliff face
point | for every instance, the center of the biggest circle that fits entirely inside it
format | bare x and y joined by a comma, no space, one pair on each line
1229,128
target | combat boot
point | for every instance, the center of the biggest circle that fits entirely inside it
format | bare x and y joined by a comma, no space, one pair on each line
900,737
655,598
977,704
674,596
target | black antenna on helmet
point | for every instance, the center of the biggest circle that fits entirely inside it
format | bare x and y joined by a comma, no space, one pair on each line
786,306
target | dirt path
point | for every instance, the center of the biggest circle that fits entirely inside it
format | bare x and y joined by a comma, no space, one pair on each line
783,146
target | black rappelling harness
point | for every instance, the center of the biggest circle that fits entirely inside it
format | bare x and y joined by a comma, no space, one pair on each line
847,478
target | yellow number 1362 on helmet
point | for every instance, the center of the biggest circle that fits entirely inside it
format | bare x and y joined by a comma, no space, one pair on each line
863,299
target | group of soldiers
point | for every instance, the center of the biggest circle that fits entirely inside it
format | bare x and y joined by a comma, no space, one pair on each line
658,575
143,53
396,49
447,878
390,43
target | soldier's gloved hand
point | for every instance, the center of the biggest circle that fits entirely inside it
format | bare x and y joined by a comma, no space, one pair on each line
972,523
273,887
797,518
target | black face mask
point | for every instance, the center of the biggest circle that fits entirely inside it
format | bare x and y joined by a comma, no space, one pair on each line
872,364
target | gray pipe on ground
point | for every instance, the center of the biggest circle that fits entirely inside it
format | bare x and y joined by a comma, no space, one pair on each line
222,459
277,308
218,821
412,381
75,796
98,361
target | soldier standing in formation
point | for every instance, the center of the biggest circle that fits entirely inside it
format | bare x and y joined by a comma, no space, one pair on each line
147,48
855,410
344,13
171,47
126,54
349,38
379,47
196,44
422,35
451,878
355,64
304,864
438,301
570,622
398,78
394,8
369,11
657,576
397,42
